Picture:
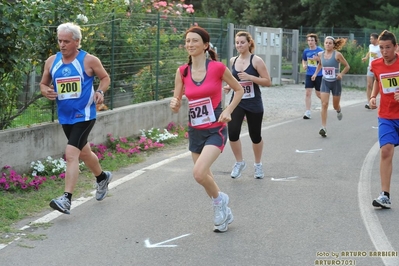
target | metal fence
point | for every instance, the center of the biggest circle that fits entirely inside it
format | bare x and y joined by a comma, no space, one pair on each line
141,52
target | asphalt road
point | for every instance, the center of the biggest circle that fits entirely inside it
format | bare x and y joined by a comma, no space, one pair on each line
312,208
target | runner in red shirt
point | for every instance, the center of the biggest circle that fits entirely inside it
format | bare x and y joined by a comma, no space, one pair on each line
386,73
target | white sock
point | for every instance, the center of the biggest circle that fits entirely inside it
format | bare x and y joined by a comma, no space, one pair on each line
218,199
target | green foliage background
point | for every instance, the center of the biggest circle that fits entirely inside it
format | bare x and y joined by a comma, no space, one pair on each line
142,50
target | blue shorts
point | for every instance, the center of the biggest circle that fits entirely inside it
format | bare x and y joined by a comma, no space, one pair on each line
198,138
369,73
388,131
334,86
310,84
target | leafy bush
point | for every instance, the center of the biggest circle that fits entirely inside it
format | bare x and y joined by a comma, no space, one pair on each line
354,53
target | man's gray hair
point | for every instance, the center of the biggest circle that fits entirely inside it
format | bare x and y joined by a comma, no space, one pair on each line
71,28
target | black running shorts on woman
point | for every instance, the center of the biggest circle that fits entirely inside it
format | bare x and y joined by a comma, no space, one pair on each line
198,138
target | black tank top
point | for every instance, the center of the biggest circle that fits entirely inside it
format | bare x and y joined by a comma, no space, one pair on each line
255,104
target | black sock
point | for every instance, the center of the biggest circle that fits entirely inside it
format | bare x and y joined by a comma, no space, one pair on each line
68,195
101,177
339,111
386,194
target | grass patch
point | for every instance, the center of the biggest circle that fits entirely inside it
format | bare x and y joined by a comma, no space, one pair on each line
39,112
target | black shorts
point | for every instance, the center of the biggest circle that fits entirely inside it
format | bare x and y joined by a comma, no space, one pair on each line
198,138
309,83
78,133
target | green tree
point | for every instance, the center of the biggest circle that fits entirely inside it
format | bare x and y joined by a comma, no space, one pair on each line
27,38
335,13
384,16
270,13
229,9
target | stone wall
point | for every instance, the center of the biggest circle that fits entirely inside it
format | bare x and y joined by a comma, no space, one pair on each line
19,147
349,80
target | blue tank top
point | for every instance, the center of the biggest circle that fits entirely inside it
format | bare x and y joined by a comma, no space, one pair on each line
252,99
330,68
75,100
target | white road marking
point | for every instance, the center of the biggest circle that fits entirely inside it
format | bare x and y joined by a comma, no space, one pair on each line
308,151
160,244
291,178
369,216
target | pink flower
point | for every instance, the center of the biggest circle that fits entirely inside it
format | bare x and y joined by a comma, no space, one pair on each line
162,3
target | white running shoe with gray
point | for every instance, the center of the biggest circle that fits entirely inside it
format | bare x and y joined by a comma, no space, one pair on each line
102,187
237,169
223,227
220,209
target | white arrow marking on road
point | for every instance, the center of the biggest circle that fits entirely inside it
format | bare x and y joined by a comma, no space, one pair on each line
308,151
159,245
291,178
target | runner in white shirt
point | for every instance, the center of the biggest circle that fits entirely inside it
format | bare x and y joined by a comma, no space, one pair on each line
373,53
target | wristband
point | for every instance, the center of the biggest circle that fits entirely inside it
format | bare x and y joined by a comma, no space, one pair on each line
371,97
101,92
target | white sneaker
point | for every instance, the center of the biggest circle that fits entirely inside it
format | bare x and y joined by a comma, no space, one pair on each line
258,171
307,115
102,187
223,227
237,169
61,204
221,210
382,201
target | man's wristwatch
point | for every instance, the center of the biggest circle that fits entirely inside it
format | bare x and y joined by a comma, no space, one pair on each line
100,91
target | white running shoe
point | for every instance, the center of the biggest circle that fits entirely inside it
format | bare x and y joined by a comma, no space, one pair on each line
307,115
237,169
223,227
382,201
258,171
102,187
61,204
221,210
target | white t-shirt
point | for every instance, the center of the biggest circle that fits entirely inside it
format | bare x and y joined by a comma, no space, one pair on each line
374,52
